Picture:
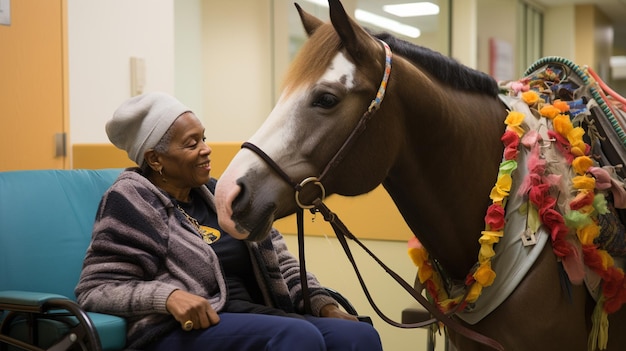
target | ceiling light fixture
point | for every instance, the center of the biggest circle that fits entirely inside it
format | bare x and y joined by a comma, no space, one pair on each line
412,9
379,21
319,2
386,23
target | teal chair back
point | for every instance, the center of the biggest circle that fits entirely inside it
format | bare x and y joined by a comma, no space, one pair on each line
46,219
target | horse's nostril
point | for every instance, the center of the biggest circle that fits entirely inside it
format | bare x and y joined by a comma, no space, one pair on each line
242,200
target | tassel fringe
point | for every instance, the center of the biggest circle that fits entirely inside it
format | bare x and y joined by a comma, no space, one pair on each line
599,336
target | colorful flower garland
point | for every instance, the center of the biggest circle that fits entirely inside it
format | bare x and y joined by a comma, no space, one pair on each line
483,275
581,217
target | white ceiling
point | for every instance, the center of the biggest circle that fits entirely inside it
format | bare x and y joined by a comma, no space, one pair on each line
615,10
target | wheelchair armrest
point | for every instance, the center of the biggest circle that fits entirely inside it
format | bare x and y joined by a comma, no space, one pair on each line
26,301
43,305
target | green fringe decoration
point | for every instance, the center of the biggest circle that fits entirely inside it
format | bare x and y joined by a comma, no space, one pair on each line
599,336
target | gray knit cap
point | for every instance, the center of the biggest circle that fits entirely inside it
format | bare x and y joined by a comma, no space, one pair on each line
141,121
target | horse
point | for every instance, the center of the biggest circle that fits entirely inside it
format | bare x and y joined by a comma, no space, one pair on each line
433,138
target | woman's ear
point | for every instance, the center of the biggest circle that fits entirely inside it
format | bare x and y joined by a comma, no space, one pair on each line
152,159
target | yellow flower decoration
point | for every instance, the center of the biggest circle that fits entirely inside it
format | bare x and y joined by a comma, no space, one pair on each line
588,233
490,236
530,97
486,241
607,260
484,275
418,255
474,293
514,118
502,188
575,136
582,164
424,272
513,121
562,125
583,182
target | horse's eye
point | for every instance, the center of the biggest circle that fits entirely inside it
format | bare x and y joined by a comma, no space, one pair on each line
326,101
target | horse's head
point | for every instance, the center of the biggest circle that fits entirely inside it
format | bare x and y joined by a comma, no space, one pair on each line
327,91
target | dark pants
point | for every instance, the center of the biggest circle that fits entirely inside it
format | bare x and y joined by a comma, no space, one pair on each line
257,332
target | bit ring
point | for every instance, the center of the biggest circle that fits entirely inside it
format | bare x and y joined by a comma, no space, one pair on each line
315,181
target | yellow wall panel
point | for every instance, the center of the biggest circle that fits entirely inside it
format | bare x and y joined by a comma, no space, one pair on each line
369,216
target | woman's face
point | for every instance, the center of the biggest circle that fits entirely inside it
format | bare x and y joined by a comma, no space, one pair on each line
186,163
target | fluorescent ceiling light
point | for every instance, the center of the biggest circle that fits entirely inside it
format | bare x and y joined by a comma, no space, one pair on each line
319,2
379,21
384,22
412,9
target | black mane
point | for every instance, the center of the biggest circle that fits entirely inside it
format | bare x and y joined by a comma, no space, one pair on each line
444,68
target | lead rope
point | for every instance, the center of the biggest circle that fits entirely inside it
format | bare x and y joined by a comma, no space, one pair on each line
304,282
306,299
341,231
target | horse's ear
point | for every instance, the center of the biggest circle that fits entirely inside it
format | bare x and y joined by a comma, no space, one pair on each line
352,35
309,21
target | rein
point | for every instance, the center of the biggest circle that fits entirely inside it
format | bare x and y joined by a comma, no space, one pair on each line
341,231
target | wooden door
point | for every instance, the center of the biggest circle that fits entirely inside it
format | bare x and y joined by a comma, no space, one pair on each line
33,85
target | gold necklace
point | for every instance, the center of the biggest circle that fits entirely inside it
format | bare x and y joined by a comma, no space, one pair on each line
209,235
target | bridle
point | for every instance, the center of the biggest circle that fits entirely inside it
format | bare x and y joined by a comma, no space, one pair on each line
341,231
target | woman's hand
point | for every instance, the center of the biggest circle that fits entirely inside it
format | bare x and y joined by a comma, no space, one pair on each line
333,311
187,307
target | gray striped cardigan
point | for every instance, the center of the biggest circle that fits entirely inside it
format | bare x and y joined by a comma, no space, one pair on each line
142,249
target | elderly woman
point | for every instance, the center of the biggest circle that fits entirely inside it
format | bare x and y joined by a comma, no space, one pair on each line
159,259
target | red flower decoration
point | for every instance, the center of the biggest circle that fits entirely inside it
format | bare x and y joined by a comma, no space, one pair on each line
584,198
592,258
562,144
562,248
554,221
495,217
537,193
510,139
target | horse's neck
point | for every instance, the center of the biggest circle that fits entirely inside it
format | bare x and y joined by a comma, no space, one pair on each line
441,182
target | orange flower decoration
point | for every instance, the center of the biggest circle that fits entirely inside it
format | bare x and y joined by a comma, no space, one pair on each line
549,111
561,105
530,97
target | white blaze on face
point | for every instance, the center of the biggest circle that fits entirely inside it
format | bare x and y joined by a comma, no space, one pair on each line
341,71
273,138
273,135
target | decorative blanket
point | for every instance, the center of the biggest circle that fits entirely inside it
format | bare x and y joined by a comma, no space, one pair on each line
561,179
